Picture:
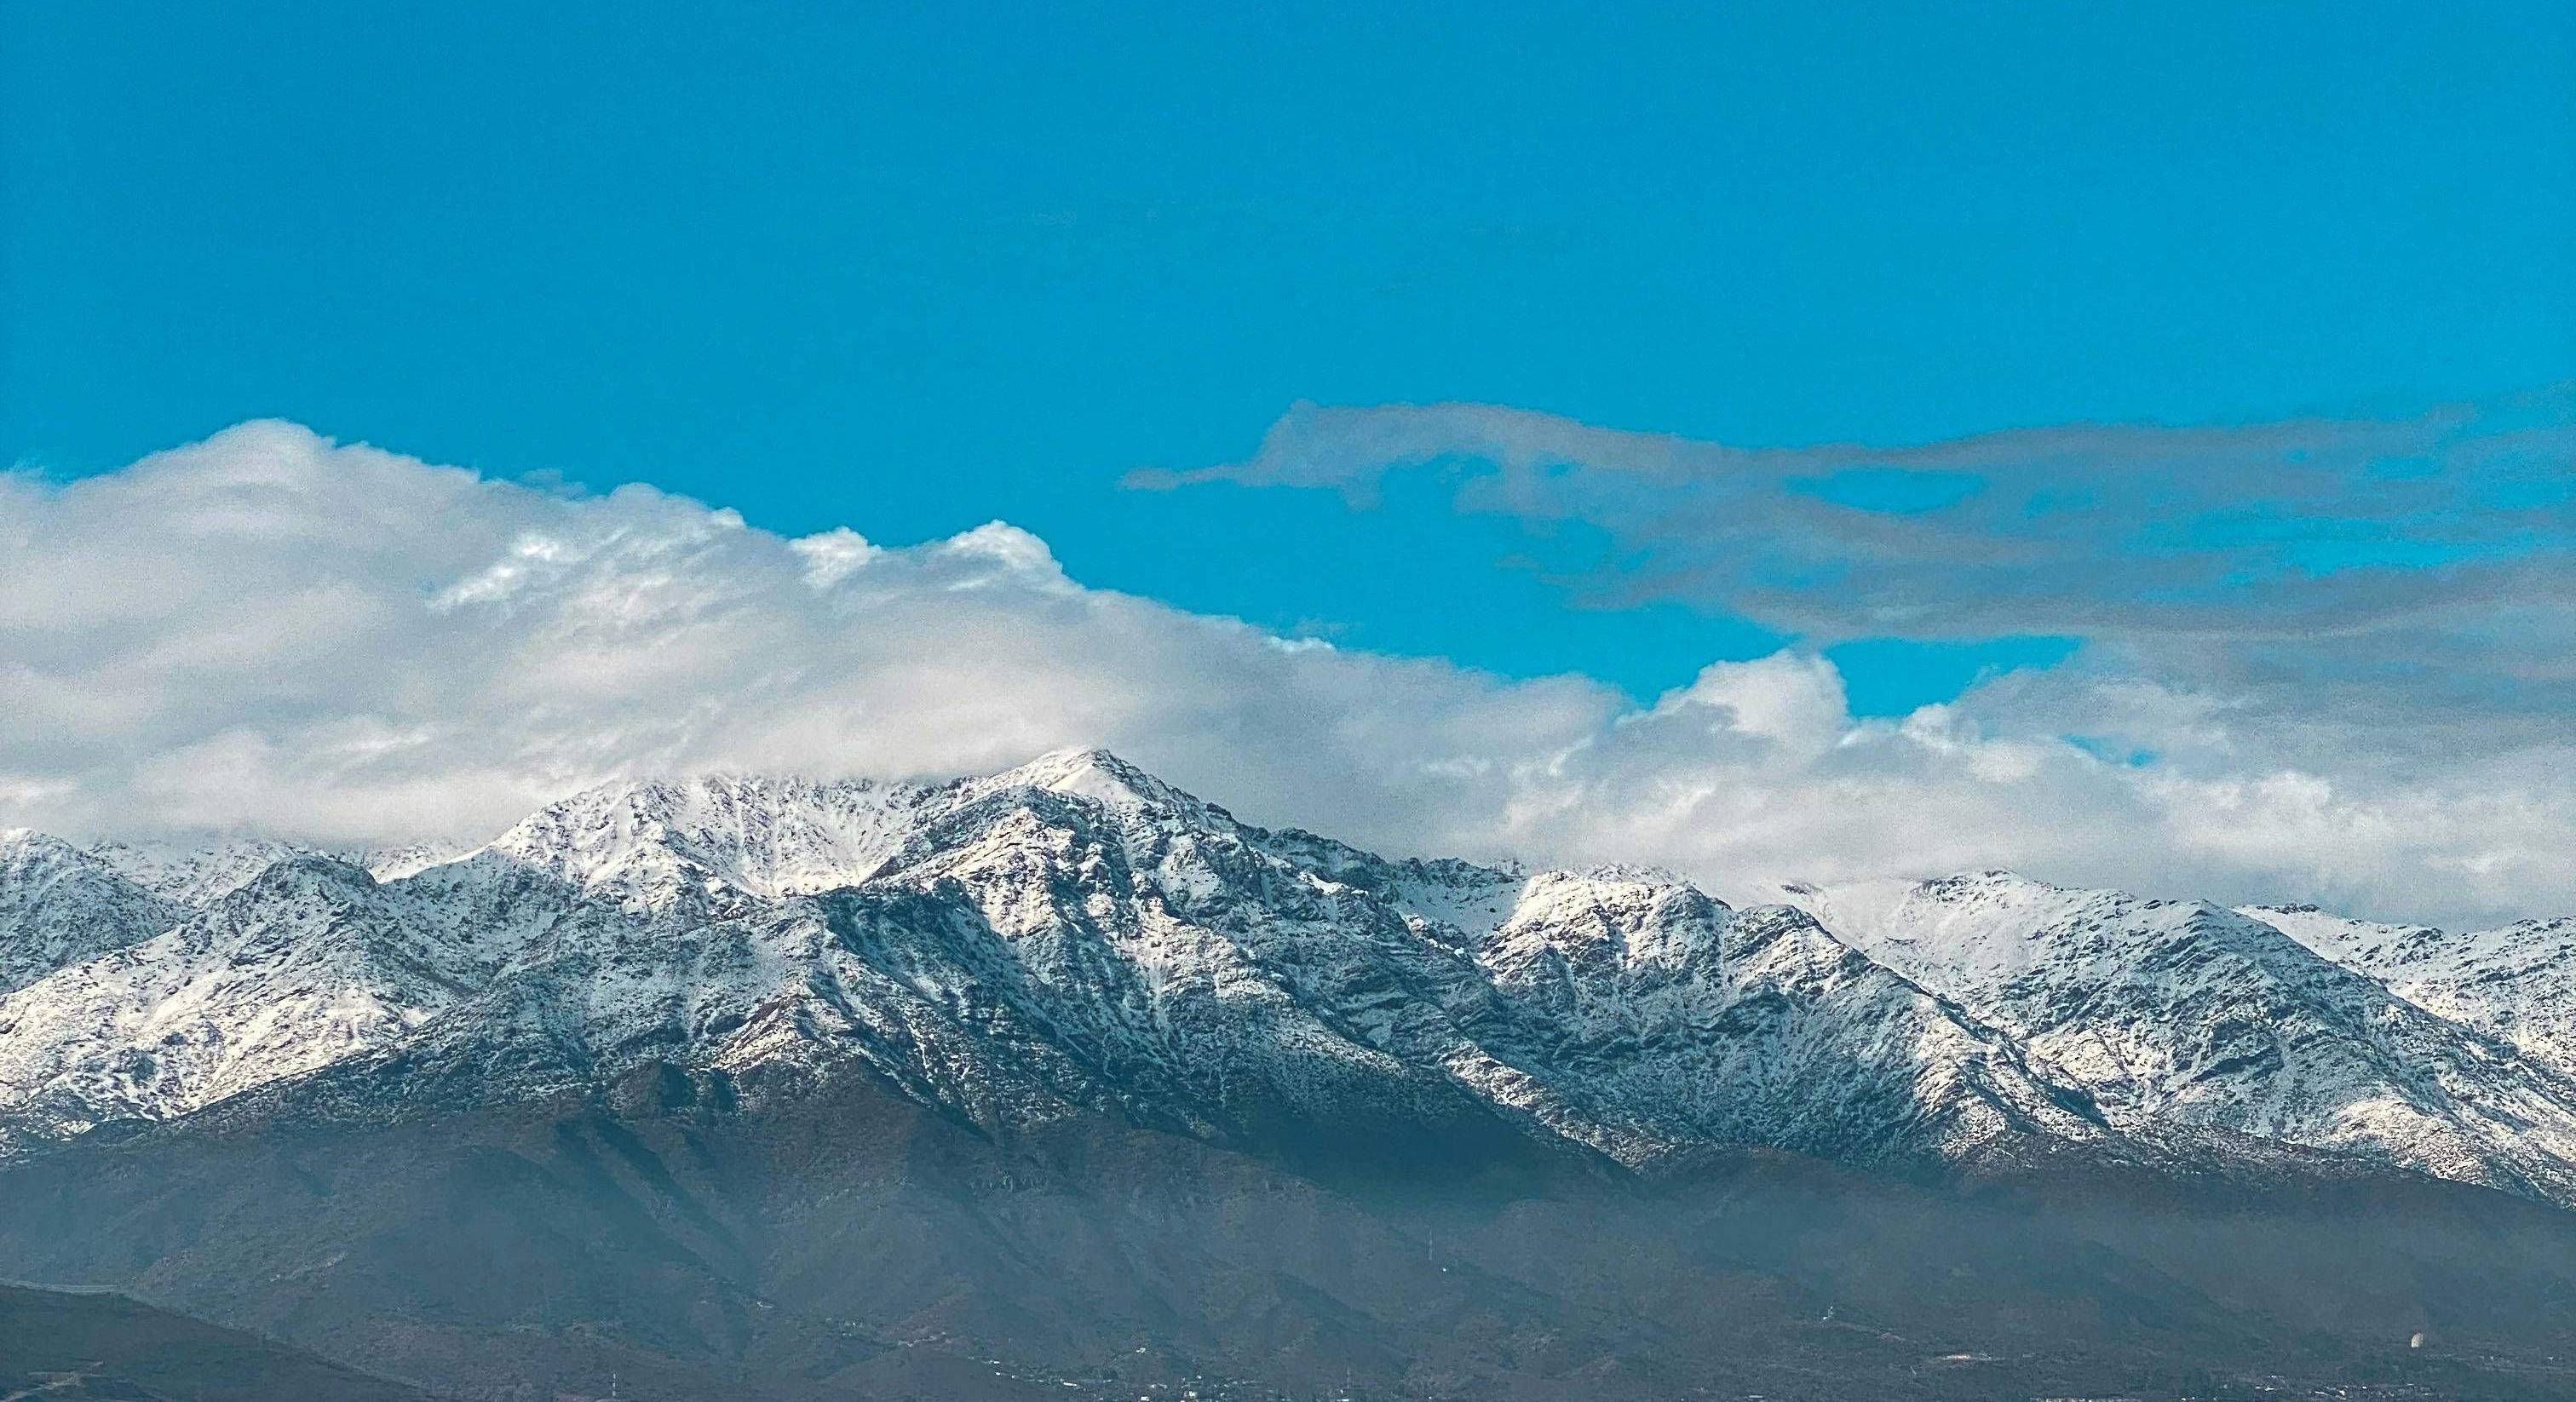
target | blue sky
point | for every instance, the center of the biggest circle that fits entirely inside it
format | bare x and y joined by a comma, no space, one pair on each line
908,269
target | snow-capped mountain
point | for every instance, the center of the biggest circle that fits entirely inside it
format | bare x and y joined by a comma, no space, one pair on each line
716,840
2184,1013
1075,937
1074,934
202,872
2517,982
197,874
60,905
1659,1009
310,962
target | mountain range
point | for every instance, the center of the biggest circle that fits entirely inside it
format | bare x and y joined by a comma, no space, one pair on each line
1063,1080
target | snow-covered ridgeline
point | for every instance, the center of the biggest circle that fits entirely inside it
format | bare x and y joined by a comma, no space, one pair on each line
1075,935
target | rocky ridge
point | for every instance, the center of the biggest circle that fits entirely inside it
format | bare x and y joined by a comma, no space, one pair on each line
1074,936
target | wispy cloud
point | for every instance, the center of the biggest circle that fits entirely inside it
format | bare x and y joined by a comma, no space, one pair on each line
2260,531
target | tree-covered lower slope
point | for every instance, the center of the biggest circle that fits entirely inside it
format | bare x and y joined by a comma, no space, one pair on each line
697,1234
59,1346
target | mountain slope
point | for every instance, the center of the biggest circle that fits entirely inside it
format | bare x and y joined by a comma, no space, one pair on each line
1658,1009
2517,982
62,1347
2183,1013
309,962
760,1235
60,905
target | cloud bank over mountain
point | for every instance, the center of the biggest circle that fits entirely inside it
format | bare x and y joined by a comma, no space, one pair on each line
338,643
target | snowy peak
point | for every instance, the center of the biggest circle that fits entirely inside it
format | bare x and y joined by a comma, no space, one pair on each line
2517,982
2034,954
2505,953
1673,1021
29,855
1990,927
701,843
704,845
1094,774
716,837
2369,946
304,876
1127,793
59,905
198,874
1607,918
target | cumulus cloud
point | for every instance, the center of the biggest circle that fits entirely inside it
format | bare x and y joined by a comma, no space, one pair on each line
342,644
269,629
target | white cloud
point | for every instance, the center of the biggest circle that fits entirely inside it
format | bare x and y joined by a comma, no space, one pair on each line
334,642
831,555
